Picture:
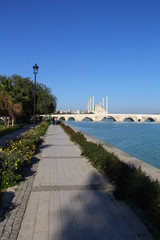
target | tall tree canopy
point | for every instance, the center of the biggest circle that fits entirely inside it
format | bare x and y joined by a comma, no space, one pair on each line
20,92
6,104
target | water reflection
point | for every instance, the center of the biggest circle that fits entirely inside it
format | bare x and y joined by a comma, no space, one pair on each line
108,120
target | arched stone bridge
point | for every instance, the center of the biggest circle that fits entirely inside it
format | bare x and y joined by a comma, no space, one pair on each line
99,117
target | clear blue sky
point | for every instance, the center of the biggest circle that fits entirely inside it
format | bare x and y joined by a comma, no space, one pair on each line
85,48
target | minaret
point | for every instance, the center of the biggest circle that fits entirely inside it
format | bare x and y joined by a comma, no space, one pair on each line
90,105
106,104
93,105
103,104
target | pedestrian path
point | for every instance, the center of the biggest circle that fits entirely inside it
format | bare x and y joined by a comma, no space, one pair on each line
10,136
70,200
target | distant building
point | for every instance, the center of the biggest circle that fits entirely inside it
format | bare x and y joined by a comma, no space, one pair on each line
65,111
97,108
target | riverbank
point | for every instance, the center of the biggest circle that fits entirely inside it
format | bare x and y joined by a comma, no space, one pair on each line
152,172
140,140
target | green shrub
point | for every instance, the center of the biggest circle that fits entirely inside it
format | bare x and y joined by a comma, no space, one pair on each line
32,135
67,129
41,129
78,138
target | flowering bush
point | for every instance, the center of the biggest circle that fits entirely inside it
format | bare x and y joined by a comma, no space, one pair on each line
16,154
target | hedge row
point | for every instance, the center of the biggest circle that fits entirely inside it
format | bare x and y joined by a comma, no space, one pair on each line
16,154
131,184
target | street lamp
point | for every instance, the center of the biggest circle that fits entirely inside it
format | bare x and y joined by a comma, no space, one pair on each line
45,107
35,71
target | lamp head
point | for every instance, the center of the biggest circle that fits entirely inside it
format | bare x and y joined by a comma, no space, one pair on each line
35,69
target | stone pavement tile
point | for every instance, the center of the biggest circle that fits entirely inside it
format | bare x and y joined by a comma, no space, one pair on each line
80,216
38,179
103,219
27,226
40,236
41,224
26,232
58,142
54,173
55,218
92,220
55,131
31,211
66,171
70,230
58,151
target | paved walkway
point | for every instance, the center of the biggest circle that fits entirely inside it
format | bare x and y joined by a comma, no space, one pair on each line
13,135
70,200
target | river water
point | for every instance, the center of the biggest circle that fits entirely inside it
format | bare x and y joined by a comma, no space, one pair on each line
141,140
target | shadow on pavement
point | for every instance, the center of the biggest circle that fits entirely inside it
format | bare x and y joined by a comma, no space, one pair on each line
90,215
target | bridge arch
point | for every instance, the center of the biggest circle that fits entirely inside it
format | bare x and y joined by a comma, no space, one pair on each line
149,119
113,118
87,119
71,119
128,119
62,119
108,119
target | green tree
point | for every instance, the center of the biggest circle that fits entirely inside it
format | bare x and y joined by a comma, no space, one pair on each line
6,84
45,101
6,106
21,92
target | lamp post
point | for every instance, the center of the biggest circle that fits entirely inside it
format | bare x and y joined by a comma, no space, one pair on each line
35,71
45,107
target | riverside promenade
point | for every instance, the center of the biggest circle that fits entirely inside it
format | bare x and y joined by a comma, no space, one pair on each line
70,200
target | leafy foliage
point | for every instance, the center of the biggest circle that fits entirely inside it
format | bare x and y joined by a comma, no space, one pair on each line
17,97
6,104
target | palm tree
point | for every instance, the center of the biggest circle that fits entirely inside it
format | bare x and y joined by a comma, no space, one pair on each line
6,106
17,111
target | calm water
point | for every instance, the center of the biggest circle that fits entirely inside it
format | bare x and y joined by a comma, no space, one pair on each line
141,140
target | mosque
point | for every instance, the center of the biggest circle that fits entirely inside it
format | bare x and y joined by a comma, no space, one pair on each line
98,108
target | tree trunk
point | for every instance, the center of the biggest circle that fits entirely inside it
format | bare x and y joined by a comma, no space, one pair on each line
8,122
12,121
4,122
